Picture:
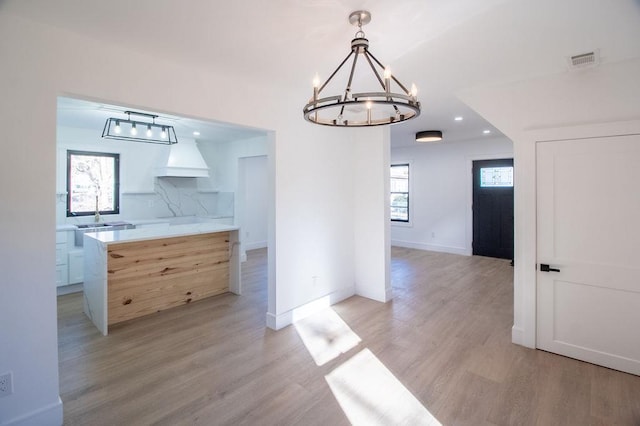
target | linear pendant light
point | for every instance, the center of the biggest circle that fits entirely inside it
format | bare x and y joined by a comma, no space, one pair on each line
128,130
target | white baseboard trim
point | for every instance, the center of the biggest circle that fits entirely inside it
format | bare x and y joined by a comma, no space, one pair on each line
431,247
388,294
517,335
255,245
276,322
48,415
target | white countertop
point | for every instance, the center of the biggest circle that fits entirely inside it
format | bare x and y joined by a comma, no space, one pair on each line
127,235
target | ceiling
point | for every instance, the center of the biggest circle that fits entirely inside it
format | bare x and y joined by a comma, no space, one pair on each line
444,46
91,115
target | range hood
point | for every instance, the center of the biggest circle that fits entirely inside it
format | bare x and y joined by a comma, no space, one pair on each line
183,160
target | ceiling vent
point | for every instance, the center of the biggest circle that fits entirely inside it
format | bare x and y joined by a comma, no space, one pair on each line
584,60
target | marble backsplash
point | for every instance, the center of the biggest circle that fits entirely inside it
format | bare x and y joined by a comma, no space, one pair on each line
171,197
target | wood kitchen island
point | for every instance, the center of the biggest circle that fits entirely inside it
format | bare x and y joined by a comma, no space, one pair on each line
136,272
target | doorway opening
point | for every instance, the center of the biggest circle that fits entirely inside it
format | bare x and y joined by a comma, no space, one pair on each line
493,208
147,197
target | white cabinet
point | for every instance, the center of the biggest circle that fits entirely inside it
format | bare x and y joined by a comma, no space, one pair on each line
76,266
62,272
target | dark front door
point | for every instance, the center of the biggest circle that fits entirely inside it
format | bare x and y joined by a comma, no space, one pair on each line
493,208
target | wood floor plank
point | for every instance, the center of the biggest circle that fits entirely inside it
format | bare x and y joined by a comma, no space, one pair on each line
446,336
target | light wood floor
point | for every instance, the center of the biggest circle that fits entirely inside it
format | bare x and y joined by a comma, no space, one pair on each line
446,336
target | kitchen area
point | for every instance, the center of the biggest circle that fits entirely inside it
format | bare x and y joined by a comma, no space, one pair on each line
114,191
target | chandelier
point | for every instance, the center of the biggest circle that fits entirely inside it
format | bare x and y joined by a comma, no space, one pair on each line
139,131
365,108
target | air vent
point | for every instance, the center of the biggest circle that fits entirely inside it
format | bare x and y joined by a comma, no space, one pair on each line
584,60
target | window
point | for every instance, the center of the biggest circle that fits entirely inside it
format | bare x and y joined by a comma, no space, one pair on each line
400,193
92,183
496,177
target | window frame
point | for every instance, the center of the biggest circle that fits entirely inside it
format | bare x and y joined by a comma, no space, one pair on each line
116,183
401,222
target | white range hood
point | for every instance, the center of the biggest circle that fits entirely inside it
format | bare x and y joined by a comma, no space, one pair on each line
183,160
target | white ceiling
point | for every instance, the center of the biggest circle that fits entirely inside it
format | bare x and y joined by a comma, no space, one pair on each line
91,115
444,46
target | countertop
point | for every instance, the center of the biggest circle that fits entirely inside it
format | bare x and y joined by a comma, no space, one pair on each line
173,220
128,235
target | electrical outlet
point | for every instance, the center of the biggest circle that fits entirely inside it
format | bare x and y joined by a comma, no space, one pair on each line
6,385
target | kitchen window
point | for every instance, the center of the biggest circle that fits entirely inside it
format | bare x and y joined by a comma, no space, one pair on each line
93,181
399,193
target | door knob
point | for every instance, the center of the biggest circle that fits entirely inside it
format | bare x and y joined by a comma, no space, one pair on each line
545,268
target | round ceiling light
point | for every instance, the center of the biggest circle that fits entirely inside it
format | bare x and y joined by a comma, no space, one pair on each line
429,136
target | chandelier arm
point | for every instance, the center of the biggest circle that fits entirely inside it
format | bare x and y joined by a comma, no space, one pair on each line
335,72
392,76
353,69
373,68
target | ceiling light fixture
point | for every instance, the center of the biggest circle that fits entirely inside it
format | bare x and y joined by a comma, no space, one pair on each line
429,136
196,133
364,108
458,118
113,129
486,132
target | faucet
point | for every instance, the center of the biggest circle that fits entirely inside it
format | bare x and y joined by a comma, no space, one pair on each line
97,215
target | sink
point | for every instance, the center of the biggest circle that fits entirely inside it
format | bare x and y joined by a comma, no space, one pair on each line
98,227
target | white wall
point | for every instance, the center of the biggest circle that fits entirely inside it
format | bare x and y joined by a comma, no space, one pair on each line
252,201
372,231
142,194
441,191
309,234
551,107
222,157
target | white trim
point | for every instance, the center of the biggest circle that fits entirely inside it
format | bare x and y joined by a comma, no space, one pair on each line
255,245
276,322
51,414
431,247
525,279
517,335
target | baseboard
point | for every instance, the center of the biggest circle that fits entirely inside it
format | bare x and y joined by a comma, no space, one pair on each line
431,247
517,335
48,415
255,245
388,294
276,322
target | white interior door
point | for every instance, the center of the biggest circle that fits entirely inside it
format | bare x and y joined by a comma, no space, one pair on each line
588,201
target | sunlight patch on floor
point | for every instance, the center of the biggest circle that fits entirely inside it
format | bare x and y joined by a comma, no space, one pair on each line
326,335
370,394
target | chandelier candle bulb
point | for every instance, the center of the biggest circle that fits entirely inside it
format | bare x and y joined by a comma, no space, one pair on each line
316,84
387,80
